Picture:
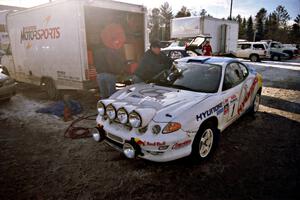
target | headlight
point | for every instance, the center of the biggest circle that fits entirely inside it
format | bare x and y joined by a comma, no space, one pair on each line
135,119
171,127
111,111
101,108
122,115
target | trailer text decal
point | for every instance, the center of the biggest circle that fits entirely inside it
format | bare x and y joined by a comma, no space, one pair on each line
32,33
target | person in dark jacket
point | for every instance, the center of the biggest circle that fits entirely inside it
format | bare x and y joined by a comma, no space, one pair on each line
109,63
153,62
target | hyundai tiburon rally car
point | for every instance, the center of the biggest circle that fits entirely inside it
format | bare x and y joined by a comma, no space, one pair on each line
180,112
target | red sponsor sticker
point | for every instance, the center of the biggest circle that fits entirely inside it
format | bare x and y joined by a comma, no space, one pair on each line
181,144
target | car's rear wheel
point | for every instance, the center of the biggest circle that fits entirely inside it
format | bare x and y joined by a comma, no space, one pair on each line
255,104
205,142
254,58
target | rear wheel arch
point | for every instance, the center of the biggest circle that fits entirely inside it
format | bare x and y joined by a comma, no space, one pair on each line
259,91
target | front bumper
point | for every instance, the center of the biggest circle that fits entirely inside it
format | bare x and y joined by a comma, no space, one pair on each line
7,91
158,148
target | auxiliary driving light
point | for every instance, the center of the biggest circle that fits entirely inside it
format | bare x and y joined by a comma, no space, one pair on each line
129,151
98,134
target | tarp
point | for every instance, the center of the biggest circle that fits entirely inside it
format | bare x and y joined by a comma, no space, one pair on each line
57,108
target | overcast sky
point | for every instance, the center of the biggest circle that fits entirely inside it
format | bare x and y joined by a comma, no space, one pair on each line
216,8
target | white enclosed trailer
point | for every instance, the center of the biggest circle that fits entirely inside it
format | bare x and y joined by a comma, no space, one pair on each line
223,34
52,44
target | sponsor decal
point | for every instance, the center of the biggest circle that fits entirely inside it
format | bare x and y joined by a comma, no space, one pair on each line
152,92
226,109
136,96
181,144
218,108
34,33
233,99
30,33
146,143
247,96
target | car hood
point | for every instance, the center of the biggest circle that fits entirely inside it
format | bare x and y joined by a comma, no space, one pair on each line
166,102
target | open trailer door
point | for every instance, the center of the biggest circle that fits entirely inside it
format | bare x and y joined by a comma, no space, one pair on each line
125,23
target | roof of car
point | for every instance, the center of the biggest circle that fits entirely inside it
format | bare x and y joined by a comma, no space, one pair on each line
207,60
252,43
174,48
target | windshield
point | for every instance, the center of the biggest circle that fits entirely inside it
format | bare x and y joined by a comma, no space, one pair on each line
194,77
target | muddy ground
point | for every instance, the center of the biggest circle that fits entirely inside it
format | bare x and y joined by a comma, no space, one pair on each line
257,158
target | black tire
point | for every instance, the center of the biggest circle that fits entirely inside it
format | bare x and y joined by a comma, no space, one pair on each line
254,58
253,109
276,58
5,100
290,53
197,143
51,90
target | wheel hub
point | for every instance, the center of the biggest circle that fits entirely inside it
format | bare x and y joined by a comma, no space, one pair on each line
206,142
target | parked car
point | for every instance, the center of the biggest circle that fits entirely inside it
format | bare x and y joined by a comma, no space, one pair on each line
7,86
165,44
181,112
255,51
275,46
277,56
178,52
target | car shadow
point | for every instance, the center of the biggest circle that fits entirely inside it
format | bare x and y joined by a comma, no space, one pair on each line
251,150
280,104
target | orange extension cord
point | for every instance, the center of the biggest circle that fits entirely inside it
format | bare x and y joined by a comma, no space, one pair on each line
77,132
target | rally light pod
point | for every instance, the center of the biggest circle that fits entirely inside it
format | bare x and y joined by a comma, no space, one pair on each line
129,150
98,134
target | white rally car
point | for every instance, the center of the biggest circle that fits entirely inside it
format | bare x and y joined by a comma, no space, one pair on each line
181,112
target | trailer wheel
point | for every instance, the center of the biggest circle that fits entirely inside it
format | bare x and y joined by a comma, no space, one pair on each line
52,91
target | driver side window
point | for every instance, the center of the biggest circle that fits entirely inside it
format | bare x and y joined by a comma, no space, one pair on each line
233,76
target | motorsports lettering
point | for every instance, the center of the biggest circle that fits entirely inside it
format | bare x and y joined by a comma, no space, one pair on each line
209,112
30,33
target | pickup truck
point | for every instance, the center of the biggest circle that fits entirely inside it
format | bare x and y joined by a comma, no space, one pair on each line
277,47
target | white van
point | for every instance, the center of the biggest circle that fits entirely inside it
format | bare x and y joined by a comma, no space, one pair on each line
52,44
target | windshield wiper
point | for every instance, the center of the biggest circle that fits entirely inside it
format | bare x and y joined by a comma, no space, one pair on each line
182,87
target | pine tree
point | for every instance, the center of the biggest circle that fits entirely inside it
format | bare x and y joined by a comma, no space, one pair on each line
282,16
240,21
154,24
166,16
243,29
184,12
260,19
250,31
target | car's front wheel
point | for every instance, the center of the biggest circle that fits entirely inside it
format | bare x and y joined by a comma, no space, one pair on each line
205,142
